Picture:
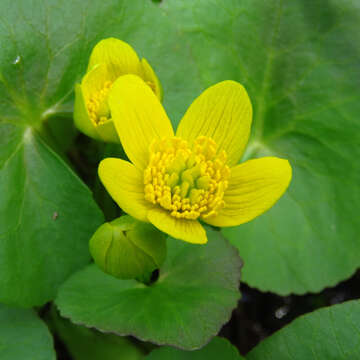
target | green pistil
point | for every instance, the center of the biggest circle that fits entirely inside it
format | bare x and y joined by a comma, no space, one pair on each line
186,176
203,182
177,166
173,180
188,179
184,188
194,196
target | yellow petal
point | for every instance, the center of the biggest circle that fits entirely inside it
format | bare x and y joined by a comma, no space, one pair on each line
81,116
94,81
125,185
187,230
138,116
254,187
149,76
222,112
118,56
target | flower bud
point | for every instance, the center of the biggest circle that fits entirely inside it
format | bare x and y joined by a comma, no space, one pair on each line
127,248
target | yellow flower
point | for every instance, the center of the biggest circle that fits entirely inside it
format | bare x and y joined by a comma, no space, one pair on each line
110,59
175,180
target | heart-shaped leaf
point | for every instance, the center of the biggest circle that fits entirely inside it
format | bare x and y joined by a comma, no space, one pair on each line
300,62
47,214
218,348
88,344
47,218
332,333
23,335
193,297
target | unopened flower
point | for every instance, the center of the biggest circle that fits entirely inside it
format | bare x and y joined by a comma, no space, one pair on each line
177,180
127,248
110,59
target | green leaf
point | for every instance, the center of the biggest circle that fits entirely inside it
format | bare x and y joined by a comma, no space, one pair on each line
300,63
193,297
89,344
332,333
46,47
23,335
47,218
47,215
63,131
218,348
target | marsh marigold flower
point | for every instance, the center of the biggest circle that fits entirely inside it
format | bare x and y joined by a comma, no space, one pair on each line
110,59
178,179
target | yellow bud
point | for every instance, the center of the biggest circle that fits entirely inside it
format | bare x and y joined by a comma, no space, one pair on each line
92,114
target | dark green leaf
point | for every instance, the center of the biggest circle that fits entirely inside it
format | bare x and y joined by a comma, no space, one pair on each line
300,62
47,215
218,348
331,333
23,336
47,218
193,297
46,46
89,344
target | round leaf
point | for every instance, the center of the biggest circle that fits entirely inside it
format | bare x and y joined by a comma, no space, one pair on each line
47,215
89,344
47,218
218,348
24,336
46,48
332,333
193,297
300,63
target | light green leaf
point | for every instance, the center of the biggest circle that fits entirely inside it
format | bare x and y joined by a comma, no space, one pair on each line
300,62
193,297
332,333
47,216
89,344
24,336
218,348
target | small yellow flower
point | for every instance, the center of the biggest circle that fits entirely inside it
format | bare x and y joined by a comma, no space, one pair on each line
110,59
175,180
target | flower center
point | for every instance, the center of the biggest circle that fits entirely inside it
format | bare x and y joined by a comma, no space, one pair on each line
97,105
188,181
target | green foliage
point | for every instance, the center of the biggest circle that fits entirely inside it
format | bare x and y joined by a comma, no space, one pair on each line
193,297
88,344
299,62
331,333
218,348
23,335
47,217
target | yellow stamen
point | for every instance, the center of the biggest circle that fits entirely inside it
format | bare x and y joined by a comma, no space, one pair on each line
188,181
97,106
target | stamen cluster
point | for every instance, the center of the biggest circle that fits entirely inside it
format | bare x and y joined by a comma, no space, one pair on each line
97,105
187,180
